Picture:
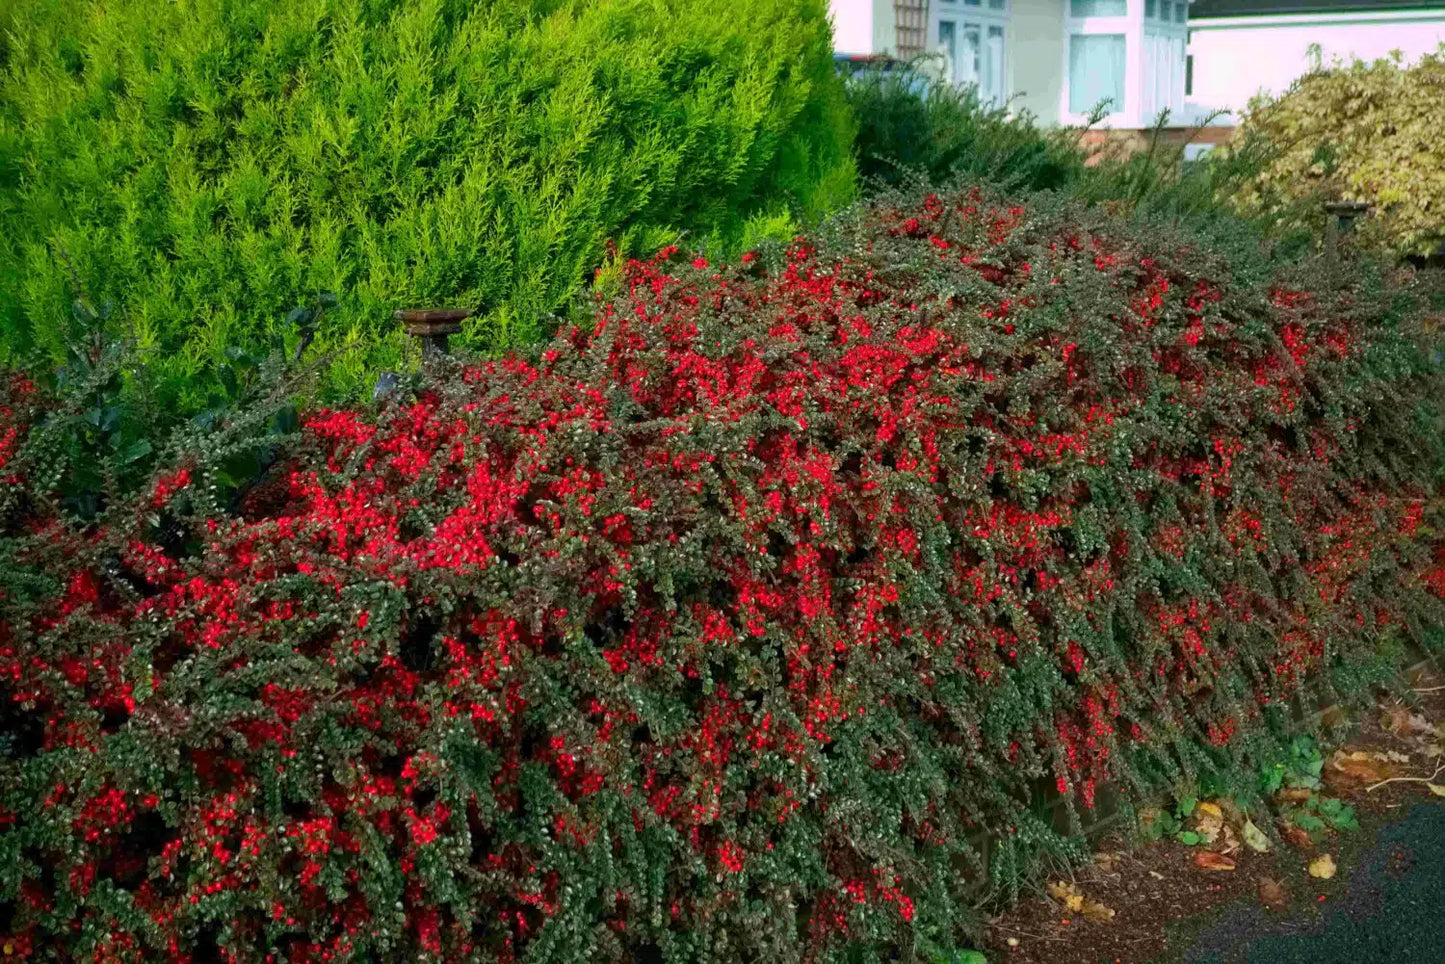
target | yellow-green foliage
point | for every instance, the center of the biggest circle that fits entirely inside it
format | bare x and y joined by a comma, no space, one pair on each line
1358,131
208,165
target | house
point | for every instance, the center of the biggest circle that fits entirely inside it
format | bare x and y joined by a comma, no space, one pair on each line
1058,59
1238,48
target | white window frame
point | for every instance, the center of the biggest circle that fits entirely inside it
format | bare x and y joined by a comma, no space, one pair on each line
1154,61
985,17
1162,84
1127,25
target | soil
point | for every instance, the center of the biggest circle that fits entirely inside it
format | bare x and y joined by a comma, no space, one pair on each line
1162,900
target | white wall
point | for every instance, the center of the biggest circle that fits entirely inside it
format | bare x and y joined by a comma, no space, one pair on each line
853,28
1235,58
1036,56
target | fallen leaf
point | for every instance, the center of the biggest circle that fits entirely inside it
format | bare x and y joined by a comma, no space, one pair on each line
1209,860
1272,893
1434,750
1254,838
1396,757
1332,715
1298,838
1396,719
1107,862
1436,789
1097,911
1208,821
1295,794
1322,867
1358,766
1067,893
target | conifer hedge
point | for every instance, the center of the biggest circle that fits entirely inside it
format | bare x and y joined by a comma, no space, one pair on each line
715,631
209,165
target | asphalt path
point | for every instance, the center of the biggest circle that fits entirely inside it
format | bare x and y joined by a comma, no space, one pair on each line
1392,910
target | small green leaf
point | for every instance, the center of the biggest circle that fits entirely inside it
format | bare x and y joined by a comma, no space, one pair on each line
1190,839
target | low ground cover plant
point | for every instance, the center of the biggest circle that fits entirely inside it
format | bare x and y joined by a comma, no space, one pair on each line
207,167
719,629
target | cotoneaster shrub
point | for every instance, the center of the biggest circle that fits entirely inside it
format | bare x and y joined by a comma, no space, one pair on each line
716,631
207,166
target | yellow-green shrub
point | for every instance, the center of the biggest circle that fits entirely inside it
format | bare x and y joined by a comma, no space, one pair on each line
1359,131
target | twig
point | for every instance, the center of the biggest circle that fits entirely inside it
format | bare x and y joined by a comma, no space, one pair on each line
1039,937
1430,689
1429,779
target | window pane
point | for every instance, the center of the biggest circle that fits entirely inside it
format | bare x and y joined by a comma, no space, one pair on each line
996,4
948,43
1099,8
1096,72
1181,12
968,63
970,3
994,82
1151,8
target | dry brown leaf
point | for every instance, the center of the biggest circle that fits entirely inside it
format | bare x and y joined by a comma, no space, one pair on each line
1298,838
1332,715
1097,911
1396,719
1294,794
1272,893
1395,756
1434,750
1322,867
1208,821
1107,862
1209,860
1358,766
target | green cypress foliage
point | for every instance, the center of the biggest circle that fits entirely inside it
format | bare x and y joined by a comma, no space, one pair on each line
207,165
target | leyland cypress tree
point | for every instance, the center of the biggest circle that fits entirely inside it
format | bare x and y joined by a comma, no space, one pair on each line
207,165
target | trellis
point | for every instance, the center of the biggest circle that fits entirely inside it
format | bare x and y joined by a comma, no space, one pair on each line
910,27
